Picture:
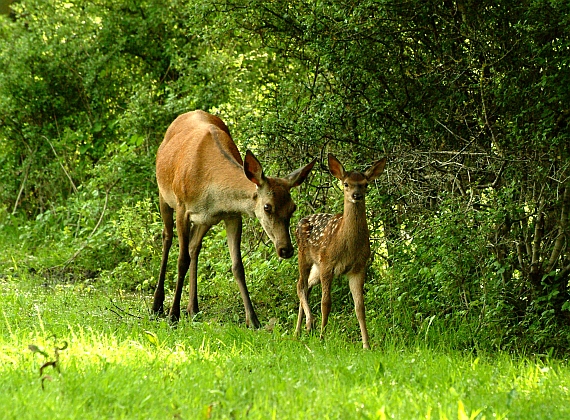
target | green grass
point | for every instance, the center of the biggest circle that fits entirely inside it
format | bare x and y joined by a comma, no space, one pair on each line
120,363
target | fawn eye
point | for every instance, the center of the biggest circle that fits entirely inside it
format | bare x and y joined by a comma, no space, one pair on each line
267,208
346,185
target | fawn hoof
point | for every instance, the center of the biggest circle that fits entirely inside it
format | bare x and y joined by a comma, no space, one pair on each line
309,324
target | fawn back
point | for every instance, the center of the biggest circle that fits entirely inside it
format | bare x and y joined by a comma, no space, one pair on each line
334,245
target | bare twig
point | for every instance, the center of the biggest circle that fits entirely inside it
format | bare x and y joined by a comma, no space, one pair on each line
61,164
21,188
122,311
84,245
453,134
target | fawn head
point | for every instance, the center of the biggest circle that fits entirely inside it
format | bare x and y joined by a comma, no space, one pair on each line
355,183
273,204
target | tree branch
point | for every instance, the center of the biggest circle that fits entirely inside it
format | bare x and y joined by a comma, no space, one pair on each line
560,239
538,234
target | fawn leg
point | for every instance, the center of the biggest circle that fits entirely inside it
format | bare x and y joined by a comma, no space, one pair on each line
303,294
326,282
356,284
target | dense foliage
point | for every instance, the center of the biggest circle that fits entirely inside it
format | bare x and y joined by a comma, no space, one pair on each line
469,102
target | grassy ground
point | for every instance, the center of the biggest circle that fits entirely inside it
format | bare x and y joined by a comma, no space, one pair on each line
116,362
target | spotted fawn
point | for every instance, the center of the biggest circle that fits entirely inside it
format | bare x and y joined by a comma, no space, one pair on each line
335,245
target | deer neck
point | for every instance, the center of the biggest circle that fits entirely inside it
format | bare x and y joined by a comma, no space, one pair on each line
243,198
232,194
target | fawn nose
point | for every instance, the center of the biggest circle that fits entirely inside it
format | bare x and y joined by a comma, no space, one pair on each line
285,252
357,196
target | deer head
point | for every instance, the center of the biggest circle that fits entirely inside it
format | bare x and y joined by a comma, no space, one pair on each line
273,204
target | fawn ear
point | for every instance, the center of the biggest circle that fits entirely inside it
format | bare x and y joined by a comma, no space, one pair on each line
375,170
297,177
253,170
336,167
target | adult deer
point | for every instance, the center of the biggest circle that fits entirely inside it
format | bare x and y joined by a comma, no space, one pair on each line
202,177
335,245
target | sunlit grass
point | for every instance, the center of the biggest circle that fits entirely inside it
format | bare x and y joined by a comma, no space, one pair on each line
119,363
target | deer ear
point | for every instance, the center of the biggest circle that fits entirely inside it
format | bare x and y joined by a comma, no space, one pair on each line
297,177
375,170
252,169
336,167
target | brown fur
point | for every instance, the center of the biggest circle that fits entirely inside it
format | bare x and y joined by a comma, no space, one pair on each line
202,177
336,245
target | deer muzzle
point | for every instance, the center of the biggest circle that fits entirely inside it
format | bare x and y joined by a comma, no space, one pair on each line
285,252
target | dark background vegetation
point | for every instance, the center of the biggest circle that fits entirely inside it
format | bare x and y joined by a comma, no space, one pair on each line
468,100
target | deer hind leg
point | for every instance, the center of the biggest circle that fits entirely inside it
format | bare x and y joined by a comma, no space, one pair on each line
197,233
167,214
183,226
356,284
233,231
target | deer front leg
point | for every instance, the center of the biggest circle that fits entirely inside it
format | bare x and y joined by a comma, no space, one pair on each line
166,212
313,280
356,284
197,233
233,231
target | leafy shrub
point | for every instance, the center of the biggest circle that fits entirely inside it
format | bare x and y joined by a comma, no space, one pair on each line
137,228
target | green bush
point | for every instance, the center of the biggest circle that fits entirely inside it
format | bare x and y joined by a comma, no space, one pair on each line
137,228
470,220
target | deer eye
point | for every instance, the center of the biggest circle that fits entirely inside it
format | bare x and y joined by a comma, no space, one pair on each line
346,185
267,208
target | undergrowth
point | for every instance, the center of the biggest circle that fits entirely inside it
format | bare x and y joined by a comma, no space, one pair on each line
414,305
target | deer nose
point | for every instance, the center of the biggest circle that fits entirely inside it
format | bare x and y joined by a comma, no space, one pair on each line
357,196
285,252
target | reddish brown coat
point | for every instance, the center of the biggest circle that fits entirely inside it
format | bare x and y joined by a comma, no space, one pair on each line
202,177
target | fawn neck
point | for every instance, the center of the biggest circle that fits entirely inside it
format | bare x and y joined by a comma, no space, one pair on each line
353,227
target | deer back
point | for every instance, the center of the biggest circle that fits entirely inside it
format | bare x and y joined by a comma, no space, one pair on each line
197,161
